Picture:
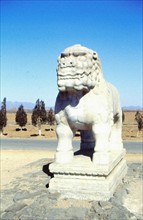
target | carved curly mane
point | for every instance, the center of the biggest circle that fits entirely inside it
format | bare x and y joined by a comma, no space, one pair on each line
79,68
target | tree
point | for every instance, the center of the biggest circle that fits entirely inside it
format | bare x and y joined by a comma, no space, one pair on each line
21,116
3,117
123,116
39,115
51,118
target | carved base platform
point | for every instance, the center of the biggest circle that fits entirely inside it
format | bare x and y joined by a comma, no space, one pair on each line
83,179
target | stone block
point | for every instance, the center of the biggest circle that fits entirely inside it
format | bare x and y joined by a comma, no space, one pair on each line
83,179
102,165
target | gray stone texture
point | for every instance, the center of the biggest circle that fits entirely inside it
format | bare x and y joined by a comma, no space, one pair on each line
42,205
83,179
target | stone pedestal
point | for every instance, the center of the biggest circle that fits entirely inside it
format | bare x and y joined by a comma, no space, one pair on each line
83,179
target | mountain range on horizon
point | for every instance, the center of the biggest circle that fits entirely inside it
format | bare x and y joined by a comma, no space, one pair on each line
29,106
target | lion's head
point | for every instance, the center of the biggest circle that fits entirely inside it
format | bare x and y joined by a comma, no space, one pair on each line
79,68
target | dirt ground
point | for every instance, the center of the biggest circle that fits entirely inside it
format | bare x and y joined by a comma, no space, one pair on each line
129,131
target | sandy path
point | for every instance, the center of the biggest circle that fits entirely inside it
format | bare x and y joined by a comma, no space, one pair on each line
13,160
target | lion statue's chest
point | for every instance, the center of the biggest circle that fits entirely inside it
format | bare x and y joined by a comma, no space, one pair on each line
89,109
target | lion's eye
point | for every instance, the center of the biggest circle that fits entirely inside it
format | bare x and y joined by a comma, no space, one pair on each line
64,55
76,54
95,58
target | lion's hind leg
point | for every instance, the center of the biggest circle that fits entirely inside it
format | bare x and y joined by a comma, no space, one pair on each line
102,133
115,141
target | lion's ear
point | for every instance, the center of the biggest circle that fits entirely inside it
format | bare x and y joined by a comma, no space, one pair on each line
95,56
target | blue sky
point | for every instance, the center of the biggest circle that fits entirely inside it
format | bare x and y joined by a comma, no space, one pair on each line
34,33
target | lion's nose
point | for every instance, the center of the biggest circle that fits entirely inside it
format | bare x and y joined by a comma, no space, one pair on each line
67,63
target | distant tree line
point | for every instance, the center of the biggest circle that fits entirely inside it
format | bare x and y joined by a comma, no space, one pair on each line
39,116
21,116
3,117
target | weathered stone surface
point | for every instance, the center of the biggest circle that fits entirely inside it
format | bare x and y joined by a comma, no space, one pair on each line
15,207
46,206
6,201
84,166
116,214
9,216
23,194
86,184
134,197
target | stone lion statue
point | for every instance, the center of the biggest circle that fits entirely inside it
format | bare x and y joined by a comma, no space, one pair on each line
85,103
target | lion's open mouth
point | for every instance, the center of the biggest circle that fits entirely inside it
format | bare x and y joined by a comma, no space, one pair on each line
75,76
